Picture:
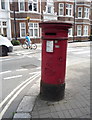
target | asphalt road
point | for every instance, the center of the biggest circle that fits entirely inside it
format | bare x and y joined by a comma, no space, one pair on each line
24,65
18,67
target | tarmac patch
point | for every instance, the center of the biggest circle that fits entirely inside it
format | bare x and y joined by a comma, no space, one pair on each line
29,66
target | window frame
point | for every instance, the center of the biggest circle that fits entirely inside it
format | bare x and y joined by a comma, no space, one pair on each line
86,13
24,28
80,12
69,8
85,30
3,1
2,27
33,28
33,2
61,8
71,32
49,6
23,5
79,29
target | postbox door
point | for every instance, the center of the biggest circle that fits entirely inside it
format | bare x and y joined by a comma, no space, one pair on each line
54,61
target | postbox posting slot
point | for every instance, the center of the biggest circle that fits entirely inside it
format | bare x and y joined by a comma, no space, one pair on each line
50,33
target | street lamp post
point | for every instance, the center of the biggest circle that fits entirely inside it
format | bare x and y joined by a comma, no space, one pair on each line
15,33
74,20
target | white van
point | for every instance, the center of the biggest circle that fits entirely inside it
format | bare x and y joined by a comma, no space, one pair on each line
5,46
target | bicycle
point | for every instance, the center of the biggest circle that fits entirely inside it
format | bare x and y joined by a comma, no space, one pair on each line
32,45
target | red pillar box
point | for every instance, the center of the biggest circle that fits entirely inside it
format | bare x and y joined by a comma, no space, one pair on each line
54,47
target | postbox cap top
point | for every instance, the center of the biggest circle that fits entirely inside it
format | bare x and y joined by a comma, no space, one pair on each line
55,23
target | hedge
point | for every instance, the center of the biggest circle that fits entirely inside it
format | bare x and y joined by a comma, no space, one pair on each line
15,42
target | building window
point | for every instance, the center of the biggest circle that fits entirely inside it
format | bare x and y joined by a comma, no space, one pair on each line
0,31
49,6
86,12
4,23
22,29
22,5
3,28
5,32
79,12
32,5
0,28
3,4
85,30
33,29
61,9
69,9
70,32
49,9
79,30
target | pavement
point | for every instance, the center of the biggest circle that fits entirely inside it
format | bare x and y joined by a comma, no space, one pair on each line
76,102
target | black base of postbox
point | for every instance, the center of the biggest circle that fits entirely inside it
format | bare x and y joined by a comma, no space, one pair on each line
52,92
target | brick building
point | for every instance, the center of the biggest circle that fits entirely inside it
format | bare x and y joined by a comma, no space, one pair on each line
27,18
28,14
78,13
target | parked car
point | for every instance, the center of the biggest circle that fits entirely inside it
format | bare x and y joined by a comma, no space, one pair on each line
5,46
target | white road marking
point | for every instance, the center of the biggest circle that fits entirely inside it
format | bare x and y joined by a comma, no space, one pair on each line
12,77
82,52
38,68
17,93
5,72
12,58
73,50
29,56
35,72
15,90
21,70
23,52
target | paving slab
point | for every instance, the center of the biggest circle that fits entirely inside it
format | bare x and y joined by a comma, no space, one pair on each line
20,116
26,104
